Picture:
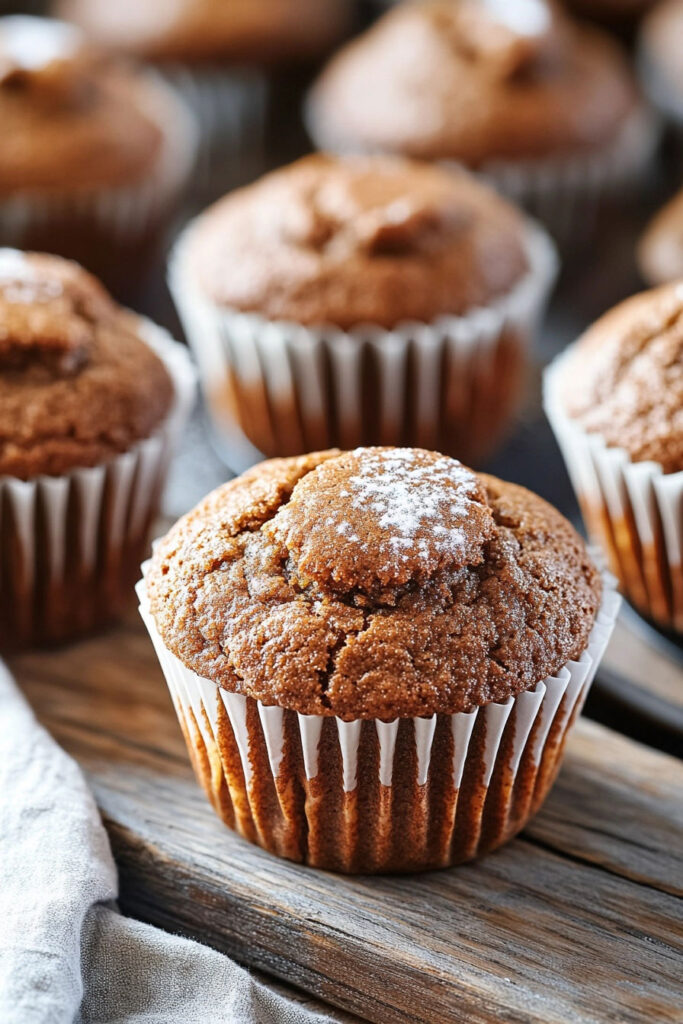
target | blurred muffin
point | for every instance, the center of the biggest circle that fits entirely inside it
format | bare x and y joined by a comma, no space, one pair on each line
375,655
660,250
90,398
659,48
547,109
361,300
615,401
94,155
224,56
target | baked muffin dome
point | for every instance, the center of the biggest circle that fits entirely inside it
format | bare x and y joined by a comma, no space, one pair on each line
374,583
358,240
78,384
660,250
201,30
474,82
624,380
70,122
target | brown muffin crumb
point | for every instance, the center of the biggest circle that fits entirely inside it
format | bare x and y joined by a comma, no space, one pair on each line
625,377
375,583
360,240
78,384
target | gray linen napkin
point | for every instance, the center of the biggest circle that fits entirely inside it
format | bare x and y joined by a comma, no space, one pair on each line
66,954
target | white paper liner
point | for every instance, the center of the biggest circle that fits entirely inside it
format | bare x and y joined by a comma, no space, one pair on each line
281,374
115,501
551,706
633,509
125,213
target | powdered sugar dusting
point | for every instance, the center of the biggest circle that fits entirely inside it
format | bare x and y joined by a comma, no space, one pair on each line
421,506
20,281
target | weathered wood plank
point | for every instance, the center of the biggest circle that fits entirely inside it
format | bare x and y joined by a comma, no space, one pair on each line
577,920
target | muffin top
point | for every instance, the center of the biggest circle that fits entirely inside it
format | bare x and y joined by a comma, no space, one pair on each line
77,382
199,30
70,120
376,240
375,583
624,378
661,38
476,81
660,251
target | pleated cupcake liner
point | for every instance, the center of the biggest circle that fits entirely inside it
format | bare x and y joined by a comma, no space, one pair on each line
110,217
633,509
278,388
69,543
373,796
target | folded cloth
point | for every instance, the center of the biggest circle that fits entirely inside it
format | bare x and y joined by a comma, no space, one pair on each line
66,954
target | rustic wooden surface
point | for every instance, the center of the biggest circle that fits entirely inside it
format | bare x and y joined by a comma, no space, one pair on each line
579,920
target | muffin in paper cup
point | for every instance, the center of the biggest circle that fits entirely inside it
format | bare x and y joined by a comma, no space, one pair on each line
113,149
71,540
358,783
545,109
632,502
277,386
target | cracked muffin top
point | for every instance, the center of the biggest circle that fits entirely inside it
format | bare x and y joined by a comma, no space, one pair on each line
376,240
624,377
374,583
200,30
78,384
70,120
475,81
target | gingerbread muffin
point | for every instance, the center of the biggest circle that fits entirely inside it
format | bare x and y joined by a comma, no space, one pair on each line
345,301
90,399
615,401
545,108
228,58
660,250
95,154
375,655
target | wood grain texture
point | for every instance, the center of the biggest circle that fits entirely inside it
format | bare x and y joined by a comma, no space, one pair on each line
580,919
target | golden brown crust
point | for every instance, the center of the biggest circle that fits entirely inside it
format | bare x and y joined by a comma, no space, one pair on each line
480,589
360,240
201,30
438,79
70,121
660,250
77,383
625,377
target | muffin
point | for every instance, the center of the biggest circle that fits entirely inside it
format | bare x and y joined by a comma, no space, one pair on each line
226,58
375,655
546,109
660,250
659,47
360,300
615,402
94,154
91,397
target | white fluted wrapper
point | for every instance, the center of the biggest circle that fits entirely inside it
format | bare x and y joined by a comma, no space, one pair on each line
278,388
369,796
69,543
632,509
91,223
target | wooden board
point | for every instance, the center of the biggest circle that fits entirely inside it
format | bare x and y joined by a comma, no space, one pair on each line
579,920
